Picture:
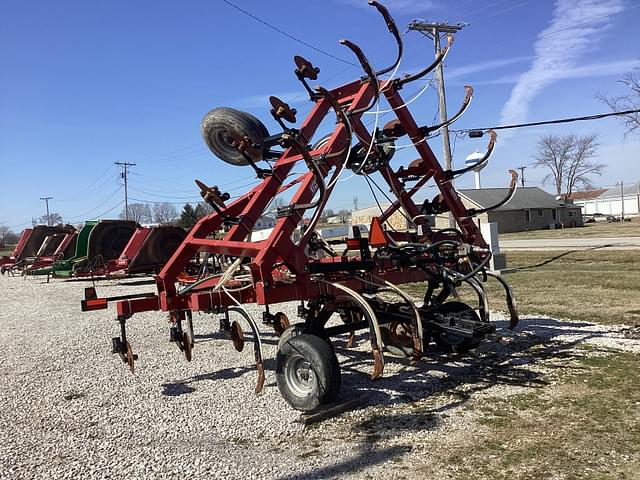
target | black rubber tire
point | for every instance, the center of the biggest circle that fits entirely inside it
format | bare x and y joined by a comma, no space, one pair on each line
452,343
307,372
289,332
220,122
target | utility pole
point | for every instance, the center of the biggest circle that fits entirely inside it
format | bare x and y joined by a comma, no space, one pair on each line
622,200
46,201
522,169
435,31
125,171
355,202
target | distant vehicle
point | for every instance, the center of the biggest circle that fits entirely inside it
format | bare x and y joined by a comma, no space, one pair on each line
612,218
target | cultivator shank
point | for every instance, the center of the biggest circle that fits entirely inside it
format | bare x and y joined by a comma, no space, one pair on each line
294,264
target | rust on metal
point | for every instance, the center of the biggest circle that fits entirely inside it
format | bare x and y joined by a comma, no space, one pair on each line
237,336
280,323
305,68
378,364
281,109
260,381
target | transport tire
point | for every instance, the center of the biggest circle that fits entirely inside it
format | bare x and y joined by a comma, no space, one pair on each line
450,343
307,372
217,127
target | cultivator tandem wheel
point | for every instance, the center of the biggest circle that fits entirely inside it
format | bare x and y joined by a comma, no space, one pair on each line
362,286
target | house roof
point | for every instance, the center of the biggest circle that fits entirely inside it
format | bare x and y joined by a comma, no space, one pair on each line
525,197
587,194
371,210
629,189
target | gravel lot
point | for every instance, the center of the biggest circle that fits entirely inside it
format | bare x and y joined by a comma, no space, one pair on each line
70,409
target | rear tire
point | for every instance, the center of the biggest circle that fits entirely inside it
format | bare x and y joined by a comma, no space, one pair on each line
307,372
219,123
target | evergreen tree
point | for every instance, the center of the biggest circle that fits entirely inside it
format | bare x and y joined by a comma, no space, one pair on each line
188,217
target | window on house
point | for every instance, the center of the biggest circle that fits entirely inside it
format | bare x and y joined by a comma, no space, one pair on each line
572,214
554,214
540,213
527,216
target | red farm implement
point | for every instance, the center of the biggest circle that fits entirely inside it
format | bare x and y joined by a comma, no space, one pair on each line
296,265
54,248
147,251
33,242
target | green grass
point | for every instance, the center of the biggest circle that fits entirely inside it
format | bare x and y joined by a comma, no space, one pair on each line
599,229
6,251
587,285
585,425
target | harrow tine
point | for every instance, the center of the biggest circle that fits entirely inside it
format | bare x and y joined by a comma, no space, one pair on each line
456,116
375,335
511,300
417,334
366,66
257,344
393,29
481,163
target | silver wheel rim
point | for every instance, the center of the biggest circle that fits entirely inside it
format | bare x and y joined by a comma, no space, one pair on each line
299,375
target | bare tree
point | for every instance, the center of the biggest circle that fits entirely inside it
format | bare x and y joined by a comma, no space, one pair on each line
52,219
164,213
344,215
4,230
630,101
568,157
138,212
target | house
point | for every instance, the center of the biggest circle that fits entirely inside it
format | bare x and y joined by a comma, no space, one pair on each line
531,208
397,221
608,201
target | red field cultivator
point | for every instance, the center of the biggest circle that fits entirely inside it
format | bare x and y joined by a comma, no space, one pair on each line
301,267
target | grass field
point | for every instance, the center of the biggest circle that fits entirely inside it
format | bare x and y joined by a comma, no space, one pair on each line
588,285
6,250
599,229
584,423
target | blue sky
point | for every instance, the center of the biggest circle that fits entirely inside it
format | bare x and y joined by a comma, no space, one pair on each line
84,84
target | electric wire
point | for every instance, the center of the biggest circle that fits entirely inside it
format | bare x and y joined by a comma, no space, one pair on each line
282,32
550,122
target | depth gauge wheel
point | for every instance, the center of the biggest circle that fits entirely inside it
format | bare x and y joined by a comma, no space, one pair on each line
220,124
307,372
451,343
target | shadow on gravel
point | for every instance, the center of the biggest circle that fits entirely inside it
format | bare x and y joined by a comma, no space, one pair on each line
454,380
450,382
181,387
369,454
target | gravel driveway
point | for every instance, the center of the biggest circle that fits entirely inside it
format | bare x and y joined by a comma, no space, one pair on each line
70,409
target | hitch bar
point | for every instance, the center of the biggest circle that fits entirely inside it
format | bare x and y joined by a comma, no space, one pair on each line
92,302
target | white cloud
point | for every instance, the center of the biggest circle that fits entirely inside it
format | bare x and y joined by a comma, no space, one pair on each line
576,26
590,70
456,72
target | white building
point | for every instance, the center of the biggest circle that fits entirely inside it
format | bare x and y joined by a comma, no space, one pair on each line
609,201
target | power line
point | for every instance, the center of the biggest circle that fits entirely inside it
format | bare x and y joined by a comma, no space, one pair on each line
125,170
522,169
282,32
46,200
550,122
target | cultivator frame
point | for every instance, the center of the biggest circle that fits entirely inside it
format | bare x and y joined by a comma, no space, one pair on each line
280,269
